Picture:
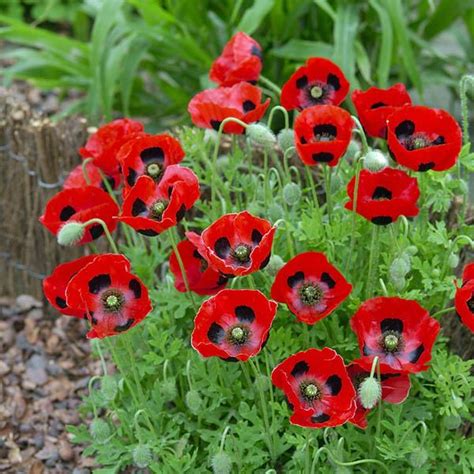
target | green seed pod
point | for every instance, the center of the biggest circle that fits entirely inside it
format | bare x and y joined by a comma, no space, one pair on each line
259,134
436,272
274,265
463,186
398,283
453,260
70,233
100,430
221,463
275,212
286,139
375,160
370,392
194,401
108,387
168,389
452,422
352,149
142,456
400,267
292,194
418,457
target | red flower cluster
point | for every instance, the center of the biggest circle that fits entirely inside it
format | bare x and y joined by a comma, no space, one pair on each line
464,299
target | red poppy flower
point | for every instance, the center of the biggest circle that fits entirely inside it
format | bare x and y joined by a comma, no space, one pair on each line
202,279
317,387
54,286
151,208
113,299
236,244
103,145
464,299
242,101
318,82
384,196
322,134
375,105
80,205
395,389
76,179
421,138
241,60
233,325
148,155
310,286
400,332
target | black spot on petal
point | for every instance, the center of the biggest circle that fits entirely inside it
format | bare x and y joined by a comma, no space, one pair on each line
256,236
181,212
124,327
382,220
154,154
248,105
66,213
293,280
131,177
333,81
148,232
265,262
377,105
334,383
438,141
256,51
426,166
390,324
381,193
320,418
215,333
407,127
96,231
300,369
245,314
413,356
138,207
229,359
215,124
326,278
325,129
99,282
303,140
302,82
323,157
61,302
135,286
222,247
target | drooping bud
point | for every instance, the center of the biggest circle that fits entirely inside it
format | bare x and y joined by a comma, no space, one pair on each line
210,135
70,233
292,194
370,392
193,401
274,265
221,463
453,260
259,134
400,267
452,422
286,139
418,457
352,149
398,283
100,430
108,387
142,456
275,212
168,389
375,160
412,250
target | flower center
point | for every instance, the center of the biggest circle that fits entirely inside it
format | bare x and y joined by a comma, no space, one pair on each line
241,253
310,294
391,342
112,300
310,391
416,142
153,170
238,335
316,92
158,208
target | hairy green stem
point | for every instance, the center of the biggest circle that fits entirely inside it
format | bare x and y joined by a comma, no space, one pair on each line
96,220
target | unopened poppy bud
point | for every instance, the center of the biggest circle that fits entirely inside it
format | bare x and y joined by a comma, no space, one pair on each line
108,387
463,186
259,134
418,457
70,233
99,430
274,265
142,456
210,136
352,149
453,260
168,389
452,422
436,272
275,212
370,392
193,401
400,267
292,194
375,160
286,139
221,463
412,250
399,283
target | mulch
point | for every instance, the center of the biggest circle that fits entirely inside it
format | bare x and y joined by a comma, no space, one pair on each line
45,366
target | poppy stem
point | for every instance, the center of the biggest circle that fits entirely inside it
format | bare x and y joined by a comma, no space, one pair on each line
443,311
465,83
285,115
286,157
328,177
107,185
96,220
270,84
354,211
363,138
373,259
84,170
352,463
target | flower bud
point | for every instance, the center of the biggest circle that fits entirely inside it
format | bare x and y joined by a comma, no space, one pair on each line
400,267
411,250
370,392
221,463
193,401
275,212
142,456
452,422
108,387
70,233
210,136
99,430
436,272
375,160
453,260
168,389
274,265
352,149
259,134
418,457
463,186
286,139
292,194
399,283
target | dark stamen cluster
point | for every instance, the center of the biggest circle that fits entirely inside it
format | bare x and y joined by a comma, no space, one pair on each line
310,294
391,341
238,335
157,209
112,300
241,253
416,142
310,390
